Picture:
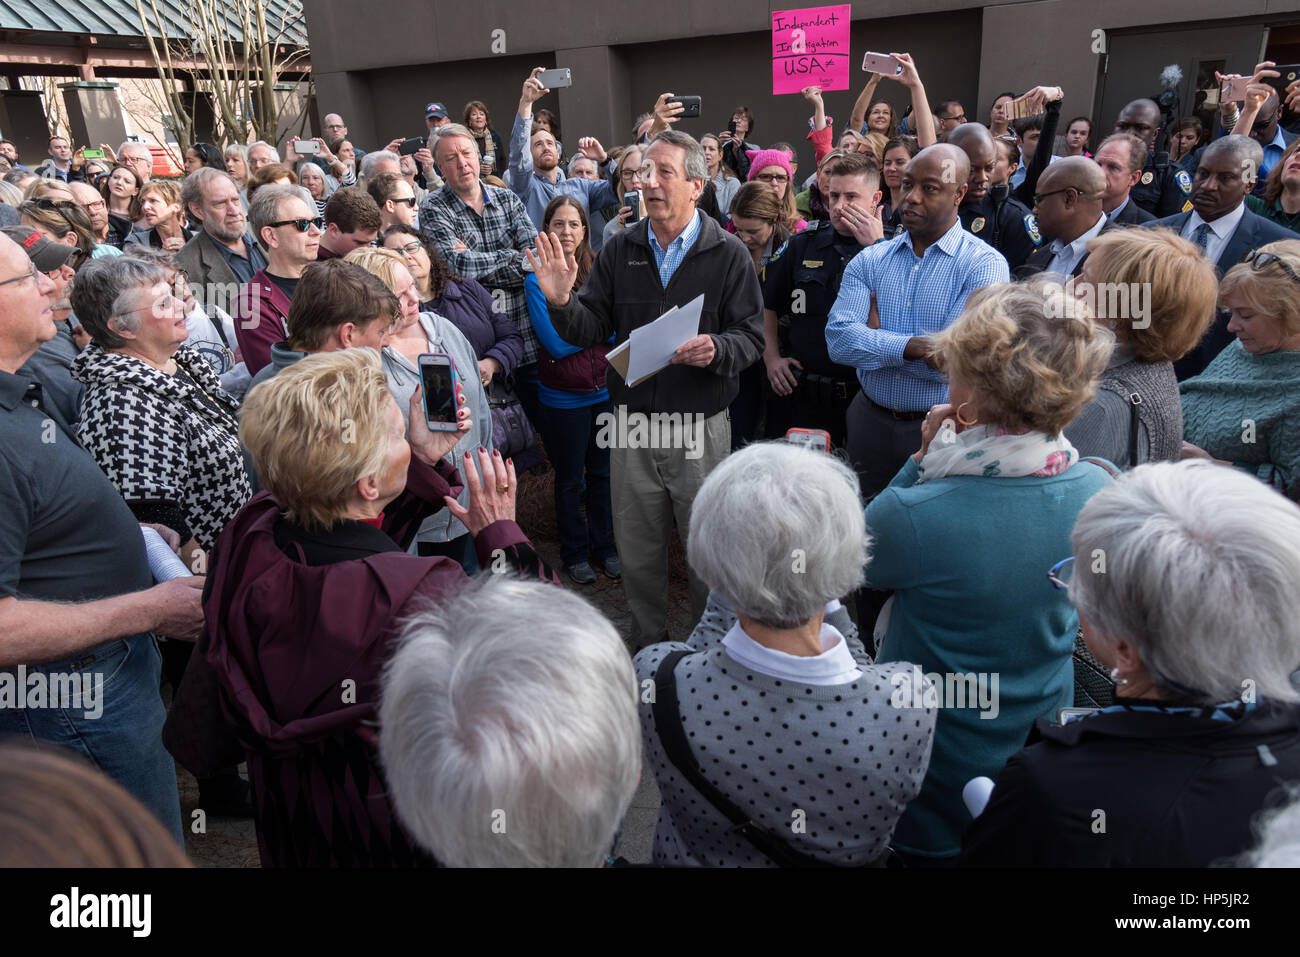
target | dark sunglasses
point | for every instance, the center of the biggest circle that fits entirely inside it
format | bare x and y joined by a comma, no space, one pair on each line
405,200
1259,261
302,225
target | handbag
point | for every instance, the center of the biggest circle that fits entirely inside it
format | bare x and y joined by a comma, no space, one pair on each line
512,433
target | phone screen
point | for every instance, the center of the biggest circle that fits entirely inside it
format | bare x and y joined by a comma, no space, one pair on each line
438,384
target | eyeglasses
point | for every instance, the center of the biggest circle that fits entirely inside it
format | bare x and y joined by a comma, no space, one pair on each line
628,175
773,178
302,225
1059,574
97,204
409,248
33,274
961,117
1259,261
1039,197
405,201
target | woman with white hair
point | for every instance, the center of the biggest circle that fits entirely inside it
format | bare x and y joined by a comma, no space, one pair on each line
1184,576
773,705
299,672
555,752
964,531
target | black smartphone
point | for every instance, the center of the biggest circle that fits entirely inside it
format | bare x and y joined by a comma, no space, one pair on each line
632,198
1290,73
412,146
731,127
691,104
438,383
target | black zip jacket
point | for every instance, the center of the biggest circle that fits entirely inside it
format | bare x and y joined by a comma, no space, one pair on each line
1137,789
623,292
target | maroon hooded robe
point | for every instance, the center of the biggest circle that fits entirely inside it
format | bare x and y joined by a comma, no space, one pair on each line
298,652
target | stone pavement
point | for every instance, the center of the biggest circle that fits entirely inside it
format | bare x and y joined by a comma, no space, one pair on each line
232,842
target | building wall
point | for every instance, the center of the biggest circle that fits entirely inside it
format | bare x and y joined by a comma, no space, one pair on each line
379,73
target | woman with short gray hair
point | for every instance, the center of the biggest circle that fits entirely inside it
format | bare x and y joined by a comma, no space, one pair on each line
1184,576
777,534
154,415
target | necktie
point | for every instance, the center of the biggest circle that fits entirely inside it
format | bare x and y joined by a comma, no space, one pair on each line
1202,236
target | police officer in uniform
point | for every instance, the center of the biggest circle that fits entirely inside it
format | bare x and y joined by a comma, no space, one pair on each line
800,285
1163,189
988,211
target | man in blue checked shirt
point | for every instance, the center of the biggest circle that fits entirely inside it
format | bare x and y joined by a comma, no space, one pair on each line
917,283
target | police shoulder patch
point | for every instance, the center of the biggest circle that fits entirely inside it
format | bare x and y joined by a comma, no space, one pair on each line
977,224
1184,181
1147,177
1031,227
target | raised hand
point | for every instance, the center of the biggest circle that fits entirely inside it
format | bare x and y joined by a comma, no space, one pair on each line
491,499
590,147
556,271
910,77
813,94
532,90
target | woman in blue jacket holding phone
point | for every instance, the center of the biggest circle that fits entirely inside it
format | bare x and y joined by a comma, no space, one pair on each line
573,397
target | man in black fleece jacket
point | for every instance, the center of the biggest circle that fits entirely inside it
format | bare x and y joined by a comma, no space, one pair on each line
669,431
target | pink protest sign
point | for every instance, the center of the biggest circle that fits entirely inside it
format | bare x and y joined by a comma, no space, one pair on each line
810,47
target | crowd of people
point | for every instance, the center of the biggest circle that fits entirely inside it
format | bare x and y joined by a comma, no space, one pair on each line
967,415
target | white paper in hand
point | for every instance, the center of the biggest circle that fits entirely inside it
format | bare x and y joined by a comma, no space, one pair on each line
163,562
651,347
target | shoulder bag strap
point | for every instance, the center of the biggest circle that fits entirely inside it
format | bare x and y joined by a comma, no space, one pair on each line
1135,400
668,725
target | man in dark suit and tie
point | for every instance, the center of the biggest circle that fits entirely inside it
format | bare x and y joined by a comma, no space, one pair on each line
1067,205
1121,156
1220,224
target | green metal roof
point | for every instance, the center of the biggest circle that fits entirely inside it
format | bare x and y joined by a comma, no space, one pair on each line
119,18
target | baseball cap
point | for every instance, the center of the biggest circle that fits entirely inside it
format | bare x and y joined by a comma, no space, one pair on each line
435,110
40,249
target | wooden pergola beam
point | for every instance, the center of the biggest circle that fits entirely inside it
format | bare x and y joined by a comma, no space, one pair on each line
78,60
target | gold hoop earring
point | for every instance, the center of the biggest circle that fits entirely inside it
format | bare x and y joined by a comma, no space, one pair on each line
963,421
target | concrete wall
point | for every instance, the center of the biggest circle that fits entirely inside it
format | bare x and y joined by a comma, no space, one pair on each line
379,72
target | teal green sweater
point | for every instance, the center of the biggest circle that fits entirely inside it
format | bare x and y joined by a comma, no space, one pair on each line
1245,409
968,557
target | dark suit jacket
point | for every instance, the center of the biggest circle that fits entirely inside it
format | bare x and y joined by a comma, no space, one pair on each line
204,264
1132,215
1252,232
1041,257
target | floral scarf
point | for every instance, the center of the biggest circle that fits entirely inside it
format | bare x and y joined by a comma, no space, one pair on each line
994,452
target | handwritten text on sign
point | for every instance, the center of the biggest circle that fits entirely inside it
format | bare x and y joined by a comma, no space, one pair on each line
810,47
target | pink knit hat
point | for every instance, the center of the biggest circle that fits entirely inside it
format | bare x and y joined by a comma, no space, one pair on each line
760,160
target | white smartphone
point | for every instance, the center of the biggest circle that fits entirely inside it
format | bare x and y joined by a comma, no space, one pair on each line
555,79
306,147
438,384
881,63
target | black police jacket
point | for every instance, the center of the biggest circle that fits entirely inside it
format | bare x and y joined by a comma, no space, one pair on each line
800,284
1163,189
1005,224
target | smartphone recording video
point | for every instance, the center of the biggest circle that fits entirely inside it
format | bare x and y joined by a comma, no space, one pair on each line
438,384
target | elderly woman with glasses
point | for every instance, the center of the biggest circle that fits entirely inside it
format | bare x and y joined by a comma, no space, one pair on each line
1244,409
498,346
154,415
966,529
772,715
1205,730
306,593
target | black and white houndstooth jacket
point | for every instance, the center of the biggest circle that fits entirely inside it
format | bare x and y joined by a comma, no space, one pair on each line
173,453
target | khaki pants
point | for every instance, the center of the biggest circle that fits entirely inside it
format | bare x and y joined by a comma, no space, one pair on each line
649,487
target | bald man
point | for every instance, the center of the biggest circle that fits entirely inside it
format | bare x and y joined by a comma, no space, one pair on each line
918,283
1069,213
991,214
1163,189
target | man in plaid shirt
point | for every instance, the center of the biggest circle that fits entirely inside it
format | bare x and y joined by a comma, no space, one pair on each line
482,232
